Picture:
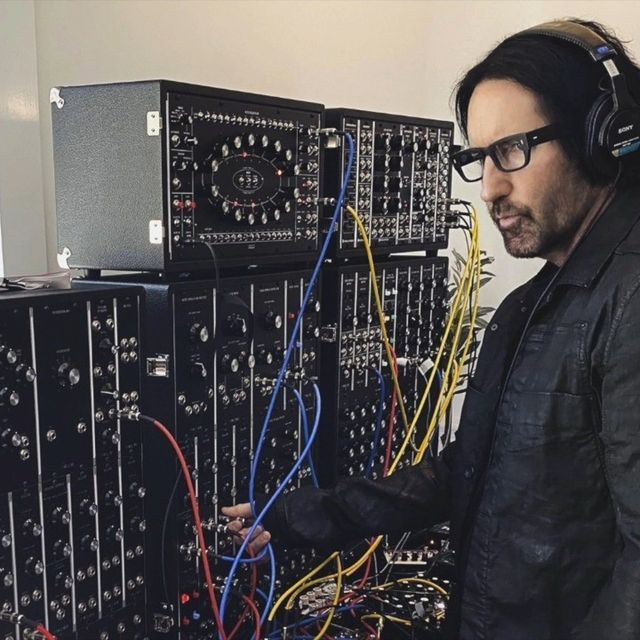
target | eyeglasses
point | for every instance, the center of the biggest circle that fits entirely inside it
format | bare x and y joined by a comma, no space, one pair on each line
508,154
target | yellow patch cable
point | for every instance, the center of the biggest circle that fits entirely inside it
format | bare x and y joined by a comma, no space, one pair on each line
380,309
457,313
475,260
304,582
377,616
336,600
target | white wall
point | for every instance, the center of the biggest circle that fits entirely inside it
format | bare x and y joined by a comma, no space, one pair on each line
22,221
394,56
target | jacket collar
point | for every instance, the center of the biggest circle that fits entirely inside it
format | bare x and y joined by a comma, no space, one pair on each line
608,231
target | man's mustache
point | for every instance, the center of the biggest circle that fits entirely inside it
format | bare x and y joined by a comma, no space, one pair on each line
504,209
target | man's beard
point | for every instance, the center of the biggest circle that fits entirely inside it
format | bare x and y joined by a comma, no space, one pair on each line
553,227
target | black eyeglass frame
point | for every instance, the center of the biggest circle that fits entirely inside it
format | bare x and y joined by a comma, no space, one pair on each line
532,138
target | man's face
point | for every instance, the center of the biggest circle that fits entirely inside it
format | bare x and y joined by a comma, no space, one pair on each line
538,209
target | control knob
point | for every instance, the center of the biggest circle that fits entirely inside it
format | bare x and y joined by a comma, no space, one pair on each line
182,164
411,147
10,396
89,543
88,507
383,141
26,373
198,370
62,549
380,205
380,183
396,142
10,354
237,324
230,364
9,437
272,320
199,332
265,357
61,516
32,527
311,331
381,163
394,184
34,566
395,204
107,345
246,360
68,376
396,163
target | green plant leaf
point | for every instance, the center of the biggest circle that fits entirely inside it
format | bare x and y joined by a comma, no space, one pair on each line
483,311
457,255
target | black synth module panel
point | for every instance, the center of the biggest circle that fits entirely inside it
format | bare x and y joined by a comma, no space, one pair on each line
150,173
211,359
400,181
356,375
72,508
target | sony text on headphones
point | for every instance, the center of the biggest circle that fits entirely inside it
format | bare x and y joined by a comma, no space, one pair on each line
612,126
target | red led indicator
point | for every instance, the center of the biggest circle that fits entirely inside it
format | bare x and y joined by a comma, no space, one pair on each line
291,315
184,598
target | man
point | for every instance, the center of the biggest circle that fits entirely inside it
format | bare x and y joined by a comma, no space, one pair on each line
541,485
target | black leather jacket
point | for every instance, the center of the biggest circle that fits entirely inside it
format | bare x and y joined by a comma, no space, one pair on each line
542,485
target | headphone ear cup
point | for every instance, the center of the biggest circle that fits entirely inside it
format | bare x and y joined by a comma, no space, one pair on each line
622,134
599,160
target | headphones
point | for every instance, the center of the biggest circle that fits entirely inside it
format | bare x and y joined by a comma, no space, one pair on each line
612,126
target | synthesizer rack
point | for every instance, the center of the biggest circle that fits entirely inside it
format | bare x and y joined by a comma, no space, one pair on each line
413,292
72,495
149,174
218,202
211,357
400,181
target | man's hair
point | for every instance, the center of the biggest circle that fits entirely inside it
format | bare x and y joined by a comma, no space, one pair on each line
566,81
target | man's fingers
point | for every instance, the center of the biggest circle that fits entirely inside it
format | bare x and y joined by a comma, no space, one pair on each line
240,525
234,526
245,531
238,510
260,542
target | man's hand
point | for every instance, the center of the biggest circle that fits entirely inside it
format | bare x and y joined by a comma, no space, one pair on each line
242,523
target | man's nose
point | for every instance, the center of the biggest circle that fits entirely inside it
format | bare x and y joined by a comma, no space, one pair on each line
495,183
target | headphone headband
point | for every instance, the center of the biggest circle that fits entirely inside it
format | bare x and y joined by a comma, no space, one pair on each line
596,46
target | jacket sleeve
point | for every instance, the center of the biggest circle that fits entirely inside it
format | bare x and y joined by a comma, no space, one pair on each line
616,611
412,498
